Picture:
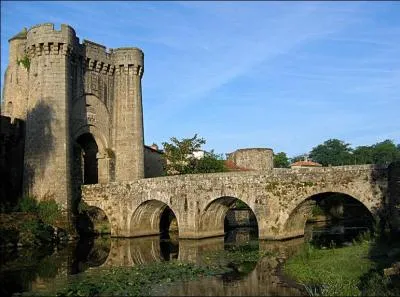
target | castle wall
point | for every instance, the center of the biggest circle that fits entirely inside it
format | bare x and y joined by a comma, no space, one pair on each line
64,89
11,160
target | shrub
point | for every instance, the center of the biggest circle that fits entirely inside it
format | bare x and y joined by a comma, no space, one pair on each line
48,211
27,204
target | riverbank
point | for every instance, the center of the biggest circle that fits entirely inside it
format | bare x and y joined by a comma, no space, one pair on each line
22,229
356,270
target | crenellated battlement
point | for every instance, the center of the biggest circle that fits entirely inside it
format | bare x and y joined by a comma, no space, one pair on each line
48,48
45,34
128,60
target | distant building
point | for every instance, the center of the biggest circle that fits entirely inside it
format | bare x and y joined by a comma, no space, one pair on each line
305,163
153,161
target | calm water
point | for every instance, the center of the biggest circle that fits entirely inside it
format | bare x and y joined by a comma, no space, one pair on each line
35,270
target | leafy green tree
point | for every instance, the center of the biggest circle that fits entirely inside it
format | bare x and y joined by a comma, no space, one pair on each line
179,157
363,155
281,160
385,152
332,152
210,163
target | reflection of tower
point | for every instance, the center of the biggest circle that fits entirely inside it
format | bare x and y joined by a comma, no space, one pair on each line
128,115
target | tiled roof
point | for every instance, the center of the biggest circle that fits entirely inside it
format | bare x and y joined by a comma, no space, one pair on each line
306,164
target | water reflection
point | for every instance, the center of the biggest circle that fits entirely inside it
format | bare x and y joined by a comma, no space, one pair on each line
24,270
337,233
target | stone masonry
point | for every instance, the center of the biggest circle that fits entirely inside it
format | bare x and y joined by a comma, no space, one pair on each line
279,198
80,102
253,158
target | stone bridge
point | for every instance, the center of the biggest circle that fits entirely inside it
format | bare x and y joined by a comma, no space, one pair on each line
281,199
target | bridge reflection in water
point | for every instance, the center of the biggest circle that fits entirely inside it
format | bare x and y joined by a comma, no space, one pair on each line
261,278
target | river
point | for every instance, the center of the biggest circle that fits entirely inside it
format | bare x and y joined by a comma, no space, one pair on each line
27,270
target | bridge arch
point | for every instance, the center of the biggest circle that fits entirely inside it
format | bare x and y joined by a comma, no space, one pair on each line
212,219
302,210
151,218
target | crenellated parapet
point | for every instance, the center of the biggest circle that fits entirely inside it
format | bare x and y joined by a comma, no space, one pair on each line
99,66
128,60
48,48
97,58
45,40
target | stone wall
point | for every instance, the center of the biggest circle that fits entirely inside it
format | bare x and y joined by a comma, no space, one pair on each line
11,160
153,162
253,158
64,91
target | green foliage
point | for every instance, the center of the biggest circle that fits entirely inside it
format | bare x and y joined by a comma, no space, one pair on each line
317,210
25,61
337,152
332,152
179,157
334,272
385,152
239,204
27,204
210,163
376,284
363,155
47,210
130,281
281,160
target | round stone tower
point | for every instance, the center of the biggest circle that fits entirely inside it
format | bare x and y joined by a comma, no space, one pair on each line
16,78
128,116
47,172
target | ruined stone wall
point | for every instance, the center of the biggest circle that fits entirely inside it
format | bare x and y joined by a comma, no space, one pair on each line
11,160
253,158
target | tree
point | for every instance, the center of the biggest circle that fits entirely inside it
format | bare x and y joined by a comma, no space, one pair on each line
332,152
210,163
180,158
363,155
281,160
385,152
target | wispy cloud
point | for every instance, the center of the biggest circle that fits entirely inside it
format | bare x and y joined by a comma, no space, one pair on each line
285,75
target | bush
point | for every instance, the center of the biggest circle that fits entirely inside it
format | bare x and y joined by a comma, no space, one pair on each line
48,211
27,204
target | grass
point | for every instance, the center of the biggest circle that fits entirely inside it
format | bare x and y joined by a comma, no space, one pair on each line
331,272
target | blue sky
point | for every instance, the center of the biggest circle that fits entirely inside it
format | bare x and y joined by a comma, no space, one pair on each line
284,75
